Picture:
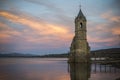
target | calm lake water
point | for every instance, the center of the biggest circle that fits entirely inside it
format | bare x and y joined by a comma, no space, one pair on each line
54,69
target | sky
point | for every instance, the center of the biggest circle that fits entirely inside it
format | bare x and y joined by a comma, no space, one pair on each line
47,26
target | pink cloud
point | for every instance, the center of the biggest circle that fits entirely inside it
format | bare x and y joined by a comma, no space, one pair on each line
6,33
46,33
109,16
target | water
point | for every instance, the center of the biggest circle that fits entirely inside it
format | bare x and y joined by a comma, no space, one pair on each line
54,69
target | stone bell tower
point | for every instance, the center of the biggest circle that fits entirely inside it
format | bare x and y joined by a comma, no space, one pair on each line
79,50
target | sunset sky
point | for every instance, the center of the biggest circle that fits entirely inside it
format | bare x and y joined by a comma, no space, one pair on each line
47,26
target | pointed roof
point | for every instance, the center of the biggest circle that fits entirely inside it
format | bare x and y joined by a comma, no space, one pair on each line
81,15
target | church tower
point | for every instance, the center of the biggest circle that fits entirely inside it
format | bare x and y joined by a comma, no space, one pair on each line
79,50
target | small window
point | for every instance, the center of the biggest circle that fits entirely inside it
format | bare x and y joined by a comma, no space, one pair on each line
81,25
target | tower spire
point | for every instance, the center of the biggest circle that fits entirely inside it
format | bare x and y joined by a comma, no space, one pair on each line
79,50
80,14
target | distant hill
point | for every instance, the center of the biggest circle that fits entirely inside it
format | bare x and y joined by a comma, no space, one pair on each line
110,51
16,55
63,55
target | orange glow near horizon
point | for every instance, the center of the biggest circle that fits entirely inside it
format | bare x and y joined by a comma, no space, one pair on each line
116,30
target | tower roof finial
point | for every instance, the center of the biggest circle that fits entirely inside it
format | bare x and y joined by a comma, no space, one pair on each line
80,14
80,6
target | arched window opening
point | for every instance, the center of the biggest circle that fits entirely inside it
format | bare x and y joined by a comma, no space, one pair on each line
81,25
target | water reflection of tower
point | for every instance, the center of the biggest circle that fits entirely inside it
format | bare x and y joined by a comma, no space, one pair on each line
80,71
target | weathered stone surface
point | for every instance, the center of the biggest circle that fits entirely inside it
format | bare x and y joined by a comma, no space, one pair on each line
79,50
